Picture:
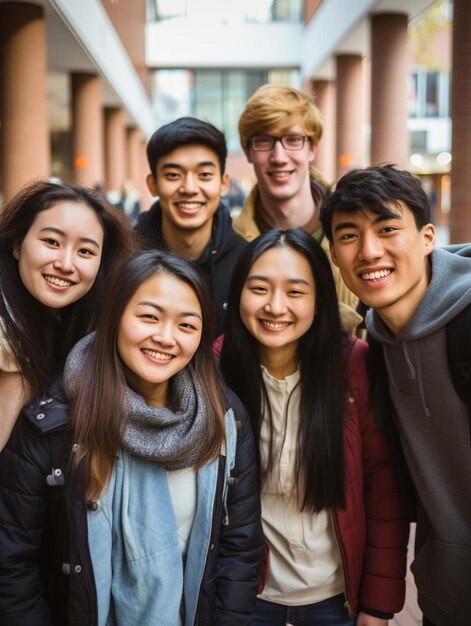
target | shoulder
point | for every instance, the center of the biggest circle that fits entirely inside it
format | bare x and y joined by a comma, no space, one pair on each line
356,356
7,359
244,224
226,238
146,219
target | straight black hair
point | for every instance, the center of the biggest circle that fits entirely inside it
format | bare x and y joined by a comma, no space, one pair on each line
378,189
185,131
320,465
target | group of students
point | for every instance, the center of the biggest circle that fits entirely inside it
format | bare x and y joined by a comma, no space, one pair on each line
156,475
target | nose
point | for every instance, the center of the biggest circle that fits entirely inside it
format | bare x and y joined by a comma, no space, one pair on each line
276,304
278,153
64,261
371,248
189,184
164,335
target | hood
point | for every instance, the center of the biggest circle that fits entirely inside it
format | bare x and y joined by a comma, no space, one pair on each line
448,293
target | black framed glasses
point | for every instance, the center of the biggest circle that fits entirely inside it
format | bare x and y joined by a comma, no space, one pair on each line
263,143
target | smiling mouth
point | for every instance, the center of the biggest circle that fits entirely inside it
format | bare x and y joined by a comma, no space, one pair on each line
279,175
189,206
59,282
376,275
274,325
159,356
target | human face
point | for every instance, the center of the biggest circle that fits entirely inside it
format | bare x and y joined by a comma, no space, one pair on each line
277,304
283,174
384,261
59,257
189,184
159,333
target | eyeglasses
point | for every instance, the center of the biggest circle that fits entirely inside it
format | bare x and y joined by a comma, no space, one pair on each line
263,143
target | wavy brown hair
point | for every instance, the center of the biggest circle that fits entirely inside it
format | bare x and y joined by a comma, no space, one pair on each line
99,411
40,339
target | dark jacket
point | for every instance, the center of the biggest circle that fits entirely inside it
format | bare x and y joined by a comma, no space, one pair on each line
217,261
46,575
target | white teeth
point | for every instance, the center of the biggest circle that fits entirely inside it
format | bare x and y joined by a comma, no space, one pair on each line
280,174
375,275
158,355
189,205
275,324
58,281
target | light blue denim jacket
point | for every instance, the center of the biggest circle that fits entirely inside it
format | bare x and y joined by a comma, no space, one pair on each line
139,572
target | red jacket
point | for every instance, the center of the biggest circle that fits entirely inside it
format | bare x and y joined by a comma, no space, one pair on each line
372,529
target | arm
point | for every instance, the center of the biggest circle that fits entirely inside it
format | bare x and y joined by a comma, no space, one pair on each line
23,515
383,586
241,542
13,395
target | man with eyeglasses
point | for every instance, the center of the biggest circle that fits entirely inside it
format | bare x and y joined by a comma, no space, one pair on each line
279,130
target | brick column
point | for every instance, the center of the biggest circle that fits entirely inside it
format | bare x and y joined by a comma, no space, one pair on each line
389,67
115,148
87,129
324,95
349,114
460,213
24,132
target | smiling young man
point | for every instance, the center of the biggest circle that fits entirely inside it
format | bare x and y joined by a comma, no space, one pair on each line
187,160
378,224
279,130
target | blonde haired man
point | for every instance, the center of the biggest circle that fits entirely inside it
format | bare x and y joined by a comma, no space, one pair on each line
279,130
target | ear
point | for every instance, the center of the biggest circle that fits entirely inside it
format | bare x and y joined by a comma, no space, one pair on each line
332,253
429,238
225,180
16,252
152,184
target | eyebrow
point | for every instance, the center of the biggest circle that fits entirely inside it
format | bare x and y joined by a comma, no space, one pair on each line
162,310
294,281
60,232
177,166
378,219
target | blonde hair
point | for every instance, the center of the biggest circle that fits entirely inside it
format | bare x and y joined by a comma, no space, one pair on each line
278,107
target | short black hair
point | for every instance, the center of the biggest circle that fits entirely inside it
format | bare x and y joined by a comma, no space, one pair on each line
375,189
183,132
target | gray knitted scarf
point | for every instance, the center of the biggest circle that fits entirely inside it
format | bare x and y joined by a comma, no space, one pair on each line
173,437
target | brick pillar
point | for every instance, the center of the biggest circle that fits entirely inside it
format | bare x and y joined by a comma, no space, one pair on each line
460,213
349,114
389,67
87,129
24,132
324,95
115,148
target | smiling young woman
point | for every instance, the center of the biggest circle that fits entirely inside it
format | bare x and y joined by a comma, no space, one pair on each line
58,243
327,486
155,469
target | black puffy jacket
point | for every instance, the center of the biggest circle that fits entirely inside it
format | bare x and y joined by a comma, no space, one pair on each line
46,576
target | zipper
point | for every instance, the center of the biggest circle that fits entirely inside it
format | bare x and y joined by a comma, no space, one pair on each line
347,604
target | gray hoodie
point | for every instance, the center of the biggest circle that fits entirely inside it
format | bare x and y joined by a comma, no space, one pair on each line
434,426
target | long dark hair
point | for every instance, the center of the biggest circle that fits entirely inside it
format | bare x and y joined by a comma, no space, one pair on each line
99,411
319,464
40,340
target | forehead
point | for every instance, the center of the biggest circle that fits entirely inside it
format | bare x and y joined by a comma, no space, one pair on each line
291,127
70,216
189,157
282,263
165,287
366,217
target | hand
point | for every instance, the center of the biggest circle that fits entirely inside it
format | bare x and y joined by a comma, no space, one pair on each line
364,619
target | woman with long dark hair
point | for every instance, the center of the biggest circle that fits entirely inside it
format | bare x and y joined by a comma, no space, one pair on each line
334,525
58,243
143,507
